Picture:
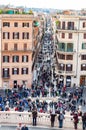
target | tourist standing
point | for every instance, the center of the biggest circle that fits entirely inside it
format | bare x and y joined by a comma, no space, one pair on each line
60,119
75,118
84,121
52,118
34,115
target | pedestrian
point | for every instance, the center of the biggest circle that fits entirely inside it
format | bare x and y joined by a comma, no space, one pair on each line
19,127
76,120
34,115
24,127
60,119
52,118
84,121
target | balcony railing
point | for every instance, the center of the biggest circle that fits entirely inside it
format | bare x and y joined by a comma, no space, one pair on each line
18,50
5,76
66,72
43,119
63,50
67,28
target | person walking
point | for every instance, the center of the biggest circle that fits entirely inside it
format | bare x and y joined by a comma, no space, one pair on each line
84,121
52,118
24,127
75,118
60,119
34,115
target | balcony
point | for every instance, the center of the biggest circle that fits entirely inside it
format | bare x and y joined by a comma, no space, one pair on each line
65,51
67,29
17,50
5,76
66,72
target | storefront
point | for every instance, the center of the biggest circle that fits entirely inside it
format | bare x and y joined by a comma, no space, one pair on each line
83,80
68,81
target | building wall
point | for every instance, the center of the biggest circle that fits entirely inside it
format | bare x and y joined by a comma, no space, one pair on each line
9,81
77,41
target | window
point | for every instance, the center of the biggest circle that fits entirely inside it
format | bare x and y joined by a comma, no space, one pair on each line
6,24
61,56
84,35
24,58
15,47
6,35
83,45
70,36
6,46
5,58
70,25
25,46
63,25
24,70
15,71
15,35
63,35
83,57
15,24
25,35
69,57
5,72
15,59
25,24
84,24
69,67
69,47
61,67
83,67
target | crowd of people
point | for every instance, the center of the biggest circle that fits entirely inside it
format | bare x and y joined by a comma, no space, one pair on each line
44,84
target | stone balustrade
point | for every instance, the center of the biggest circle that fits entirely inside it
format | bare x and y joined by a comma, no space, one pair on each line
43,119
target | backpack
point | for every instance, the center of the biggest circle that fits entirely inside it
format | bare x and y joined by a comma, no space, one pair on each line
60,117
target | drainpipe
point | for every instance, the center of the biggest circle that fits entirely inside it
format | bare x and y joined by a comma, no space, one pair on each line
77,52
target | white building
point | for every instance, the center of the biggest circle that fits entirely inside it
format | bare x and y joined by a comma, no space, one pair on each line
71,49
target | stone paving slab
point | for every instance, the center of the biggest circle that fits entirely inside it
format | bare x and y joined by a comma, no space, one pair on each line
32,128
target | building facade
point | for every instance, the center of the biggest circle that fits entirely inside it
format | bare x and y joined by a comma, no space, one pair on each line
71,49
18,44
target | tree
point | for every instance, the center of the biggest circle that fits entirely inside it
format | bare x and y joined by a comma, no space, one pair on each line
1,11
30,12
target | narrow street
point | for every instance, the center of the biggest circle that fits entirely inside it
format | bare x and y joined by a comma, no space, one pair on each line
44,73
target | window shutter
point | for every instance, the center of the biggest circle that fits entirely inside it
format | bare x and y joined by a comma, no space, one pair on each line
17,70
22,24
8,35
27,35
13,58
27,24
22,71
26,70
3,58
12,70
22,58
7,58
82,45
26,58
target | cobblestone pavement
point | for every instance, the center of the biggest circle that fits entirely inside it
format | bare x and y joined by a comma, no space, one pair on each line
30,128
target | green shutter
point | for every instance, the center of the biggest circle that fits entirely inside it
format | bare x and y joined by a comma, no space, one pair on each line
82,45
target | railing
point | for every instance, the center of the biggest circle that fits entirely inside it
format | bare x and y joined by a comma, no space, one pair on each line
43,119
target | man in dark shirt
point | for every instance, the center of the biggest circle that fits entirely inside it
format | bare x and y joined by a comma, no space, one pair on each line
34,115
24,127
